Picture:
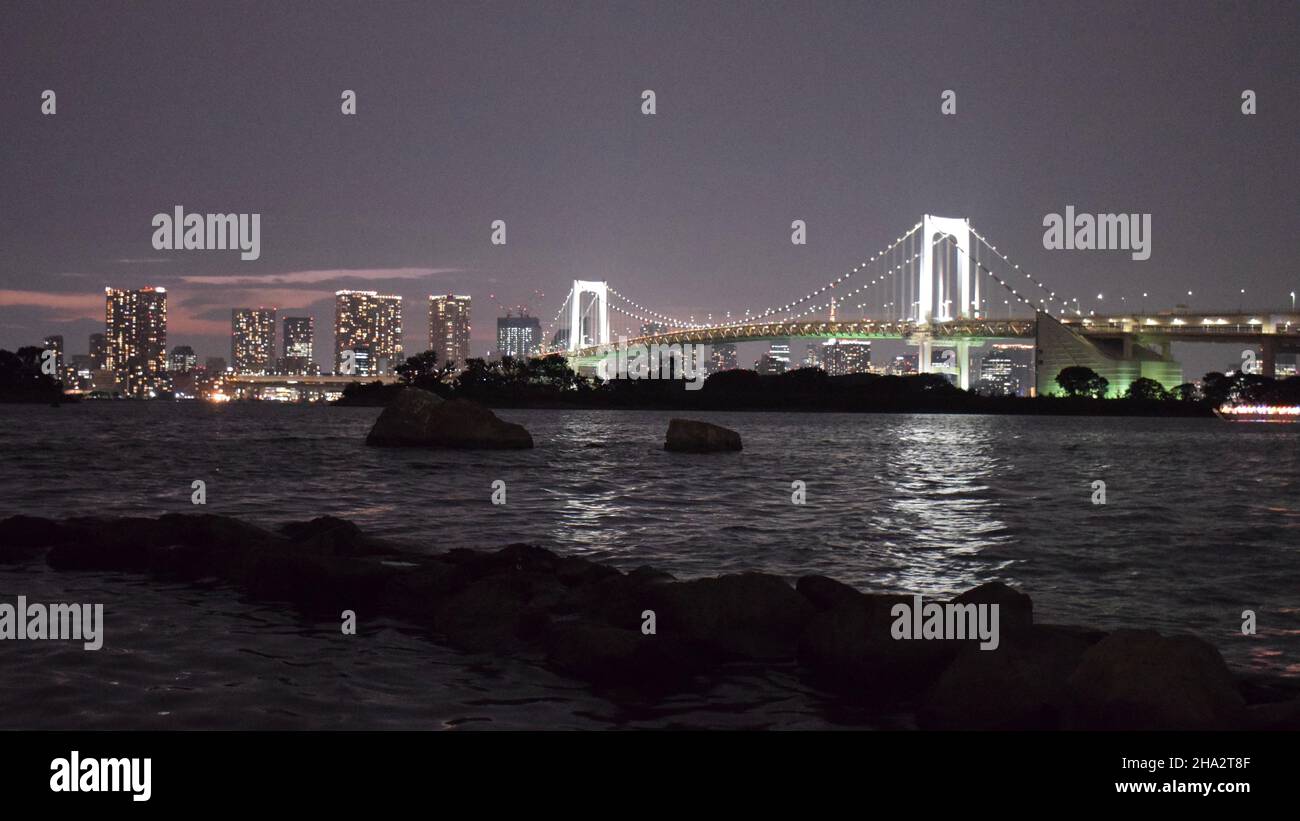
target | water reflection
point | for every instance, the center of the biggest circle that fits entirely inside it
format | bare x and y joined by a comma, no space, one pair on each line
930,504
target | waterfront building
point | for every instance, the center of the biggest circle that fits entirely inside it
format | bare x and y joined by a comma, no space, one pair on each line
135,331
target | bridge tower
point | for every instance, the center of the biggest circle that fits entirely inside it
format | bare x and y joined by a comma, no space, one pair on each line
931,229
600,318
927,311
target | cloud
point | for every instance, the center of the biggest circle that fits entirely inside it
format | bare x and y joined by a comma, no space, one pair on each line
60,306
317,277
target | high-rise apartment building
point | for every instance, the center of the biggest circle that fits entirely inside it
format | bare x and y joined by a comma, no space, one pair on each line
369,322
55,343
449,328
841,357
298,345
252,340
98,351
135,329
1007,370
723,357
776,360
182,359
519,336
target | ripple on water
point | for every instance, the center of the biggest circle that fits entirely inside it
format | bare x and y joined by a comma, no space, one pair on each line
1200,520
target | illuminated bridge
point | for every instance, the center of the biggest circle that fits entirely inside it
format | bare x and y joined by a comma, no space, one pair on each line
940,285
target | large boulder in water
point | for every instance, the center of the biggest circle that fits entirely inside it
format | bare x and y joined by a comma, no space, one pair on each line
419,418
690,436
1140,680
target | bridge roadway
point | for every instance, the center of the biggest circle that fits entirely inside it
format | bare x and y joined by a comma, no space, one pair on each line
1279,330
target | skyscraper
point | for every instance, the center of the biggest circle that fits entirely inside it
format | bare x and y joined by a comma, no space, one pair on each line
135,327
449,328
55,343
98,351
845,356
298,333
776,360
519,336
252,340
182,359
723,357
1006,370
366,320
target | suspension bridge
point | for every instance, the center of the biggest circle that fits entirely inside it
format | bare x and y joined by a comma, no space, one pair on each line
939,285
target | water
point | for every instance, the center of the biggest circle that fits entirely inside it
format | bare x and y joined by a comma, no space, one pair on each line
1201,523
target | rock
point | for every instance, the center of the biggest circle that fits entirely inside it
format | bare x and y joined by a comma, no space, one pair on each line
826,594
690,436
1281,715
421,419
109,544
1140,680
578,572
321,584
1021,685
619,600
417,594
613,656
25,537
752,615
499,612
1015,609
850,648
331,535
480,563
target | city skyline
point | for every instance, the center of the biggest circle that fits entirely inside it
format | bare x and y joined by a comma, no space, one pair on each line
594,189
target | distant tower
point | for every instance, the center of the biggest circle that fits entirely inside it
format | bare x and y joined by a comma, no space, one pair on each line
370,321
298,348
135,328
449,328
252,340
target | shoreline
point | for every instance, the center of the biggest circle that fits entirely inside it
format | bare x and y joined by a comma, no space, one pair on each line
587,620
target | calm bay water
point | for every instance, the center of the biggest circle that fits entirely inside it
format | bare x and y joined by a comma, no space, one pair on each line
1202,521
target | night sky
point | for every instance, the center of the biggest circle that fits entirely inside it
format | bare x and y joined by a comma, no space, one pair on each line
531,113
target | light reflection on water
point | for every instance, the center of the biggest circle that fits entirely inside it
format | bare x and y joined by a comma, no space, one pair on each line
1201,520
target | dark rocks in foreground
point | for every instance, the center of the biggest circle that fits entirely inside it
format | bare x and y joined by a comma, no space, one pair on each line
691,436
648,633
418,418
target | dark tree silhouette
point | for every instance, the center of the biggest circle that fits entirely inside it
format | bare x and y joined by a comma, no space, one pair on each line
1078,380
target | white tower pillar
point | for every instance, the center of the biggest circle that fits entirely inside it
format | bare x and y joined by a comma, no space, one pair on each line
959,229
581,287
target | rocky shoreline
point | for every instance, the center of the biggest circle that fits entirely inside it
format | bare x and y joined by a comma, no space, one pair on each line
589,621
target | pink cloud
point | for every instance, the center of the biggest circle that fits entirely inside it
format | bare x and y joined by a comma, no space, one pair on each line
76,306
308,277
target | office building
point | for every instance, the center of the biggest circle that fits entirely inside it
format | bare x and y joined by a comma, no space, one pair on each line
1006,370
723,357
519,336
182,360
840,357
776,360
